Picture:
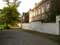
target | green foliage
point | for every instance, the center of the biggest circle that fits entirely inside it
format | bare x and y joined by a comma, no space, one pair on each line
53,11
2,26
10,13
15,3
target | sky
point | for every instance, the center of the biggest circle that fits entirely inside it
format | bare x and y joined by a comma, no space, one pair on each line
27,4
24,6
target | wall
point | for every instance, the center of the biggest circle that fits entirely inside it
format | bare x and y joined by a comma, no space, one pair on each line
26,26
51,28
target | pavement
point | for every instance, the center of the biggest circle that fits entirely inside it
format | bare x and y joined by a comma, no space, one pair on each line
20,37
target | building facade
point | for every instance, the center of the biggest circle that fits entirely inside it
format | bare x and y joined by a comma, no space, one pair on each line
44,10
25,17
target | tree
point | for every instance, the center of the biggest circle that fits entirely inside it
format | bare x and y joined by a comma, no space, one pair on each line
11,14
14,3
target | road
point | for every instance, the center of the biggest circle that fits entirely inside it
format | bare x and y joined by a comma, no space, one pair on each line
23,38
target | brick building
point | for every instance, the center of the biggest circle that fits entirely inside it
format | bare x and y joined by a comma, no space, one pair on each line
25,17
45,10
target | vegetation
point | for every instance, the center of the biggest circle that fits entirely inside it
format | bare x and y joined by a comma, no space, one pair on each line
53,11
10,15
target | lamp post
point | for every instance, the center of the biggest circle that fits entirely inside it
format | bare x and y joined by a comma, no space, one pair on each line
21,22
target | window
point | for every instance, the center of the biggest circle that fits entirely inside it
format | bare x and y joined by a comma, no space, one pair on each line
43,16
34,13
42,9
47,6
39,10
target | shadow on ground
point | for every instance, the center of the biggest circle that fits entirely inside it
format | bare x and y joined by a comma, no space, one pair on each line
55,38
27,37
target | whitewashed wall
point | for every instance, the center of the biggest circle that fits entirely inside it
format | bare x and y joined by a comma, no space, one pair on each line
51,28
26,26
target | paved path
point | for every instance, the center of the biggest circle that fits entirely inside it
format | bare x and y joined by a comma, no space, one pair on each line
23,38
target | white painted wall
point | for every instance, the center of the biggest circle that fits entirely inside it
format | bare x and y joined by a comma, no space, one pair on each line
51,28
26,26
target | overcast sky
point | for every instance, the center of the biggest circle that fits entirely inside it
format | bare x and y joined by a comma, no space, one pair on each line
24,6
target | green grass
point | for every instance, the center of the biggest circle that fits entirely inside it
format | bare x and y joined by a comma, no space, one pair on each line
2,26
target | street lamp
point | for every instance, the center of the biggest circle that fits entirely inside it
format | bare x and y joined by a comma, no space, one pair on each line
21,22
